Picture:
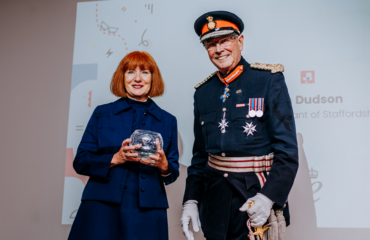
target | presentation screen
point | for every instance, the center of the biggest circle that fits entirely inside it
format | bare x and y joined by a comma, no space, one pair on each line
323,45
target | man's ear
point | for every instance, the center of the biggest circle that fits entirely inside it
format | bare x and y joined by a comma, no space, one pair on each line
241,42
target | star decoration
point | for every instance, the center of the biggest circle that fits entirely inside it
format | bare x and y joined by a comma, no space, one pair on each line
259,231
249,129
223,124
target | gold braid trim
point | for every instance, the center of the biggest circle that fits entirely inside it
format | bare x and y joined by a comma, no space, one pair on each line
204,81
275,68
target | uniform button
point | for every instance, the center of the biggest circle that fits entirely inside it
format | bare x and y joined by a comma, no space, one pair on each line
223,154
247,116
125,187
145,113
134,120
226,175
128,174
143,189
224,109
143,177
202,123
143,123
223,131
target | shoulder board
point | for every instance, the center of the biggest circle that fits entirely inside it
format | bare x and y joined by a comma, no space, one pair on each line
204,81
264,66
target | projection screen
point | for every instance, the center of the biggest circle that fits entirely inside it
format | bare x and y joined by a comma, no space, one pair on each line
325,48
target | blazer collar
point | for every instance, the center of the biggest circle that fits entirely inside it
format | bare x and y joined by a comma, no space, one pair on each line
121,105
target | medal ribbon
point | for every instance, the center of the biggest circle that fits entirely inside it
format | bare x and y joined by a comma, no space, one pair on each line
260,104
232,76
253,104
263,101
256,104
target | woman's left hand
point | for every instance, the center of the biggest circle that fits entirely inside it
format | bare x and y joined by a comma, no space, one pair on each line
158,160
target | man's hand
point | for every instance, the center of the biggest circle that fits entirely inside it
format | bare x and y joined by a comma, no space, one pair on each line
189,212
260,211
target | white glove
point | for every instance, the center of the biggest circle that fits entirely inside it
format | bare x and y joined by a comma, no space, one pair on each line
260,211
189,212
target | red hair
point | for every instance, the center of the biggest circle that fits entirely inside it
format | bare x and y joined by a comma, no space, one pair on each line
144,61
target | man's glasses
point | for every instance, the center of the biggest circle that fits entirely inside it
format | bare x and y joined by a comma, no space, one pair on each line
224,42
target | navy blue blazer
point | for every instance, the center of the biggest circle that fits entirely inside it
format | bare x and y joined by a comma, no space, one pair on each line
109,125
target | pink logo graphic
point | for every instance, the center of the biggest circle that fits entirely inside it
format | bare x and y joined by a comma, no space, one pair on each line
307,77
89,104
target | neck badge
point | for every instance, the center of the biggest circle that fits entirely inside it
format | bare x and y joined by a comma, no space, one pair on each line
226,93
227,80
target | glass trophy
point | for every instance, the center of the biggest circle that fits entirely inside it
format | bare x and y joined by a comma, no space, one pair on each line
147,139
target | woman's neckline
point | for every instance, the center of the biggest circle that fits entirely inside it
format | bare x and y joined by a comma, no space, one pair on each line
135,103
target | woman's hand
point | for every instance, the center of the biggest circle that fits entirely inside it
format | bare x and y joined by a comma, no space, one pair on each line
158,160
125,154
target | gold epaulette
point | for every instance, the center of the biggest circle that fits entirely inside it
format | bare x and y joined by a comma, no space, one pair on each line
205,80
273,67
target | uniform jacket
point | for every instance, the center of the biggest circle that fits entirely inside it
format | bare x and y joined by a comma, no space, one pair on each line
109,125
275,132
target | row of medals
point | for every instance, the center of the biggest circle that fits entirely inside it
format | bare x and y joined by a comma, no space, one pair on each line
249,128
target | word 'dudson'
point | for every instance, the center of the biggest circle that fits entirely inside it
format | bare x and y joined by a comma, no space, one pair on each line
318,99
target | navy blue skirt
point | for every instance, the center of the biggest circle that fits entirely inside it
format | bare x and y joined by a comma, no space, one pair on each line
97,220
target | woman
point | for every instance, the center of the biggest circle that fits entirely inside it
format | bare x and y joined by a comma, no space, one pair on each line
125,197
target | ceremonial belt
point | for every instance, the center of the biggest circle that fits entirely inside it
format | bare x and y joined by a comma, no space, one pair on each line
241,164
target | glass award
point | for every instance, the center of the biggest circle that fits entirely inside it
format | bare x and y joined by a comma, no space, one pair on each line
147,139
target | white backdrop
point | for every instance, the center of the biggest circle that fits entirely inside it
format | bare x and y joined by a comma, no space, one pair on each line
324,46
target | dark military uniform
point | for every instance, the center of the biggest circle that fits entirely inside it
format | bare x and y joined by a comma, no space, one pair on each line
220,194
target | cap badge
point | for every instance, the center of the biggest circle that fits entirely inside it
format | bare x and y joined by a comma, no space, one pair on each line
211,24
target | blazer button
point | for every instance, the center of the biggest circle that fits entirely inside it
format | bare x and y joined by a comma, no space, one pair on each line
125,187
128,174
143,123
145,113
143,176
226,175
143,189
223,154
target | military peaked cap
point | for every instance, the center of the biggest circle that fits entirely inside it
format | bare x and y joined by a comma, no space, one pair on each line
216,24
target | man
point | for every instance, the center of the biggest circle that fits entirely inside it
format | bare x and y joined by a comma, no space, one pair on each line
245,148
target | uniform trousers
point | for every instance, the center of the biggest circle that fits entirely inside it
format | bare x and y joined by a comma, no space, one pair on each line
98,220
224,194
